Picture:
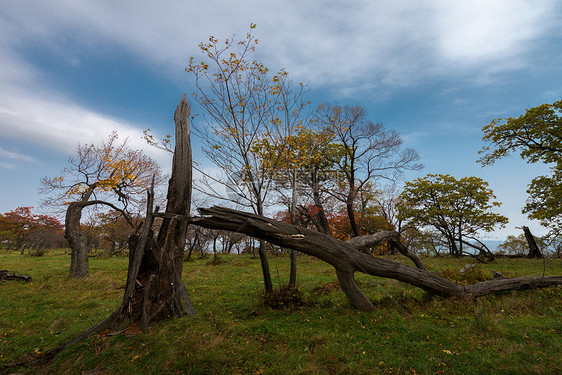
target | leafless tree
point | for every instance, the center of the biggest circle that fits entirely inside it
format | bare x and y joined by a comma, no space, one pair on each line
367,153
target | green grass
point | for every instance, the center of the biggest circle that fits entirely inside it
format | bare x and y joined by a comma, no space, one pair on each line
410,332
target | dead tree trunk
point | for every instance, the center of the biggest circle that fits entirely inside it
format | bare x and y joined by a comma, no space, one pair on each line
534,251
364,243
154,289
347,258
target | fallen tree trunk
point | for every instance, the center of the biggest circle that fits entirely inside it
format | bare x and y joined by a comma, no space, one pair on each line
365,243
6,275
347,257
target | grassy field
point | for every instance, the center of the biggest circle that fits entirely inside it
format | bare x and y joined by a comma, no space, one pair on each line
410,332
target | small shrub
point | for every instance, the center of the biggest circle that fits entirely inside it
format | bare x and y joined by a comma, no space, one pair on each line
470,275
284,297
326,288
37,253
215,261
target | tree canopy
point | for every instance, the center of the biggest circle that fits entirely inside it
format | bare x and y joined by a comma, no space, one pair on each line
537,136
108,173
457,209
244,106
367,153
543,203
22,229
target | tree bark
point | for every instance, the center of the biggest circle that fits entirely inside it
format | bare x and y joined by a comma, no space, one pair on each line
349,286
351,215
268,284
453,246
347,258
534,251
293,271
79,268
364,243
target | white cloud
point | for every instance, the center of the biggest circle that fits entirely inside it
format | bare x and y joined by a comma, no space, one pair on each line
12,155
7,165
329,43
480,31
414,138
361,48
350,47
50,120
31,112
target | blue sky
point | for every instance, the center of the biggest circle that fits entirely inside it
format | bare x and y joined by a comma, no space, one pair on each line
436,71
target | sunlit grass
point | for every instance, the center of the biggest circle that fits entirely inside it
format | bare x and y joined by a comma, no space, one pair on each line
409,332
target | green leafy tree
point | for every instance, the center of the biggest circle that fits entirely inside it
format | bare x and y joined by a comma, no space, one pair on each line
457,209
517,245
543,203
537,137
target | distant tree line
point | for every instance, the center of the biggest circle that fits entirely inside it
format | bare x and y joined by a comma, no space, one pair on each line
28,232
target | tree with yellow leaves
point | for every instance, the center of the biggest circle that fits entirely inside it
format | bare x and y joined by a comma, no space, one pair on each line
109,174
245,106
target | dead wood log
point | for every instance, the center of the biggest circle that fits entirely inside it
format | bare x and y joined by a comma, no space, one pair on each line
347,258
6,275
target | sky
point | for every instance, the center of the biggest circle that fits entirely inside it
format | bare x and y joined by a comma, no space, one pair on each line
73,71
